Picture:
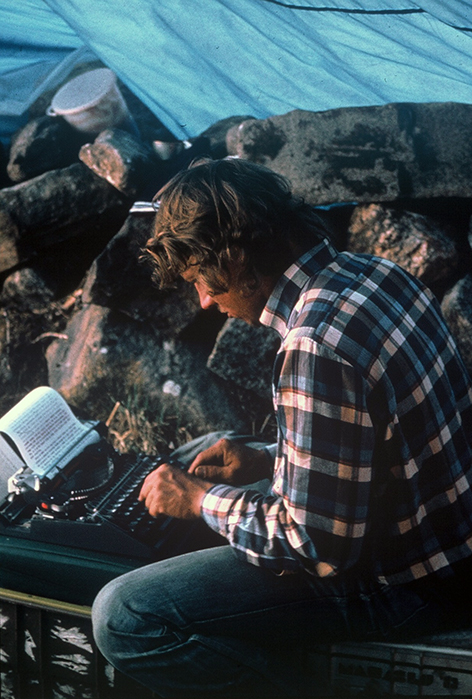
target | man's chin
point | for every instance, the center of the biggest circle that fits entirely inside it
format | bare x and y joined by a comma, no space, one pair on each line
254,322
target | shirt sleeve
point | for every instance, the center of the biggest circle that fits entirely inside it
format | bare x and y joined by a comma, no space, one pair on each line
316,512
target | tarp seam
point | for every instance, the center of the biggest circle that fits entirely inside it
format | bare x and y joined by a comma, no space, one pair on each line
346,10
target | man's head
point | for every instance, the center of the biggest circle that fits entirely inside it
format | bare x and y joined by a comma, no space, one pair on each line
229,224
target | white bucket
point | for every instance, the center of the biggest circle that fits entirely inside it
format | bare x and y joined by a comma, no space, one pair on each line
91,102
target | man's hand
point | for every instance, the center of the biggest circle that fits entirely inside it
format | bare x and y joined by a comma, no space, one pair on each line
230,462
170,491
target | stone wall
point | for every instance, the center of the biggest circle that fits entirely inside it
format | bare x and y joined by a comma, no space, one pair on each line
78,309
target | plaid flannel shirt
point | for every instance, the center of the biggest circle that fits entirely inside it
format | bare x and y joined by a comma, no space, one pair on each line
374,413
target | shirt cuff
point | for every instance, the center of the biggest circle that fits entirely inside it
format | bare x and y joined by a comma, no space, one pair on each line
217,505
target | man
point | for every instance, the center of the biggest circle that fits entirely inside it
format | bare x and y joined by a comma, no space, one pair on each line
365,531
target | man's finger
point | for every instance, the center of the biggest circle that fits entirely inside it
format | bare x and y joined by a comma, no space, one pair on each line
148,484
212,454
144,491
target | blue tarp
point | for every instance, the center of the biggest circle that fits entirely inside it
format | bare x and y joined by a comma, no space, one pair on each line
193,63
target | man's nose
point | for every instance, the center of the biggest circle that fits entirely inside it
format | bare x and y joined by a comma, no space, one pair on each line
206,301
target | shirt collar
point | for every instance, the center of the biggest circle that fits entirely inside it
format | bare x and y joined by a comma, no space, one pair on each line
287,291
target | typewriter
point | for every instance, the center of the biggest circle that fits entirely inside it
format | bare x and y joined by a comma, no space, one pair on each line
93,504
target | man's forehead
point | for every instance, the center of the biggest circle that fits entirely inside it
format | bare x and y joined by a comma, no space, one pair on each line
190,274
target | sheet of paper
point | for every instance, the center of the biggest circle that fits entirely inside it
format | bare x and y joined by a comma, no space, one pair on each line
46,431
10,463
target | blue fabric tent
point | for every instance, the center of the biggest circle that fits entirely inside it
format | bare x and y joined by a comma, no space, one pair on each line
193,63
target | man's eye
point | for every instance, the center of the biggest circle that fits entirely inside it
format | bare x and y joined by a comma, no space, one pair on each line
205,289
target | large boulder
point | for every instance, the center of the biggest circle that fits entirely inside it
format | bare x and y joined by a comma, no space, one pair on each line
104,358
29,319
122,159
457,310
120,278
365,154
43,144
415,242
28,289
50,208
245,355
217,134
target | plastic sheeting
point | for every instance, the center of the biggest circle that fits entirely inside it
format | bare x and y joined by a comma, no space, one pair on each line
194,63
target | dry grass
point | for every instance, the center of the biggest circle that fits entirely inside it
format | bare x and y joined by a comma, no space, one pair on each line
131,430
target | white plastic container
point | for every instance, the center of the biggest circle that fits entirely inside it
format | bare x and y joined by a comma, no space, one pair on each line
91,102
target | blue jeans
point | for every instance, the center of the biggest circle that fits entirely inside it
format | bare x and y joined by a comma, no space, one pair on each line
207,624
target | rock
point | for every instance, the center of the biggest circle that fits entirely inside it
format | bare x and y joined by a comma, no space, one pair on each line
4,179
77,358
122,160
129,169
50,208
365,154
245,355
411,240
108,358
45,143
26,287
120,279
10,254
217,134
234,137
457,310
7,377
29,318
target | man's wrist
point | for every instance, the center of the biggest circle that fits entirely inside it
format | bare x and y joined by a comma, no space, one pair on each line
199,498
